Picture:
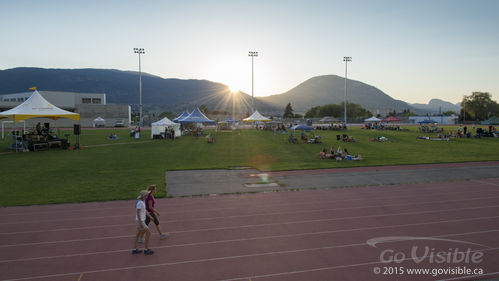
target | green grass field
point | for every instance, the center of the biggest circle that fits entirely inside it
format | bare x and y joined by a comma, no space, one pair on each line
117,169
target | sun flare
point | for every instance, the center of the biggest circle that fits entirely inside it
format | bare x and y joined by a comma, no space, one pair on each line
233,89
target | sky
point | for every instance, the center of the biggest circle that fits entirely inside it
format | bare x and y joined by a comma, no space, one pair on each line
412,50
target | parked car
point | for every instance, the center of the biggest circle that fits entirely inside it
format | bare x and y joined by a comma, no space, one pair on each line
119,123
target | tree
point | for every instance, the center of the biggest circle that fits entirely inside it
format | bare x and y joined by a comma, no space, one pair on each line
312,112
407,113
167,114
478,106
393,113
336,110
288,112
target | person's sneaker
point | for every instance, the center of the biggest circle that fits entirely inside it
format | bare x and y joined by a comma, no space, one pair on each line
142,240
148,252
163,236
136,251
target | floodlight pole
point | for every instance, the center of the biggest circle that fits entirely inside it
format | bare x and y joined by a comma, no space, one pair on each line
252,55
346,60
140,51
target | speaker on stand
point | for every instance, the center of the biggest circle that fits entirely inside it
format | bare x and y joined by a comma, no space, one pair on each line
77,132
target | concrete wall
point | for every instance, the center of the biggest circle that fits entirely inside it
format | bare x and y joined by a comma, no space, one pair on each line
443,120
88,112
64,100
110,112
72,102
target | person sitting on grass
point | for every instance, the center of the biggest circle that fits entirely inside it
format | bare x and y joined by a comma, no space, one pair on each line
331,153
323,153
303,136
345,153
357,158
210,139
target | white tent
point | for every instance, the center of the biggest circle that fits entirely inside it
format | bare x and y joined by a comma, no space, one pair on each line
255,117
372,119
99,122
37,106
160,126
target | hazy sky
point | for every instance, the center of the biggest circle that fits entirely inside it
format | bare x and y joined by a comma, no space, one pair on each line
411,50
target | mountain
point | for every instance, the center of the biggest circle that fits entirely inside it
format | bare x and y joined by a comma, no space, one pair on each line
437,105
158,94
175,95
330,89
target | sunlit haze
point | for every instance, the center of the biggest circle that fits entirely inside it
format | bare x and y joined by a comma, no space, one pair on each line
412,50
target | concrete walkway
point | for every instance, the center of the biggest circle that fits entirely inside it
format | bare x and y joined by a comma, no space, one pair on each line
208,182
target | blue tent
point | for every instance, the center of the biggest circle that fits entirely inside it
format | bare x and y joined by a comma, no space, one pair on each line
428,121
302,127
182,116
230,120
196,117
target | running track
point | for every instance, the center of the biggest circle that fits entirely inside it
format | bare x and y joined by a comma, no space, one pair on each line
305,235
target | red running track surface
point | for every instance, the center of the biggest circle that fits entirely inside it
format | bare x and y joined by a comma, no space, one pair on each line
303,235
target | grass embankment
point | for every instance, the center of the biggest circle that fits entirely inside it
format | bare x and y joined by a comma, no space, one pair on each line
116,169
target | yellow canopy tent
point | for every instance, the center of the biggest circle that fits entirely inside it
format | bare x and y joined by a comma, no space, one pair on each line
37,106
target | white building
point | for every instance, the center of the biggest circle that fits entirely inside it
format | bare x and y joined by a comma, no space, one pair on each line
443,120
88,105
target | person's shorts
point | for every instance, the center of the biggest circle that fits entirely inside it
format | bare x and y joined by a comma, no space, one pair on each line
139,226
153,215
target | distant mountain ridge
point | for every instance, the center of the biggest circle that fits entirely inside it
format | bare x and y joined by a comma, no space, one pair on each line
330,89
160,94
438,105
123,87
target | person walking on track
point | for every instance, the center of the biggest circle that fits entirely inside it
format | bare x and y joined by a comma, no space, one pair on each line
142,229
153,213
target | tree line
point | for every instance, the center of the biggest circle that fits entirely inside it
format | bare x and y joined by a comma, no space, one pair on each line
335,110
478,106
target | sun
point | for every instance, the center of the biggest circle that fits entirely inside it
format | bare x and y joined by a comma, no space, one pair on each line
233,89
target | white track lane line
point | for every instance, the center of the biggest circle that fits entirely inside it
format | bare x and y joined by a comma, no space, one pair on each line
395,188
337,267
243,240
223,258
265,224
251,215
333,231
221,209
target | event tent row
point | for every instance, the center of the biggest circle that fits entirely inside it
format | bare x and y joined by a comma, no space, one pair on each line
386,120
196,116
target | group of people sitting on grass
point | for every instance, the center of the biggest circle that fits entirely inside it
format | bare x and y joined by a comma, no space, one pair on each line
338,155
346,138
380,126
210,139
304,138
112,136
381,139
